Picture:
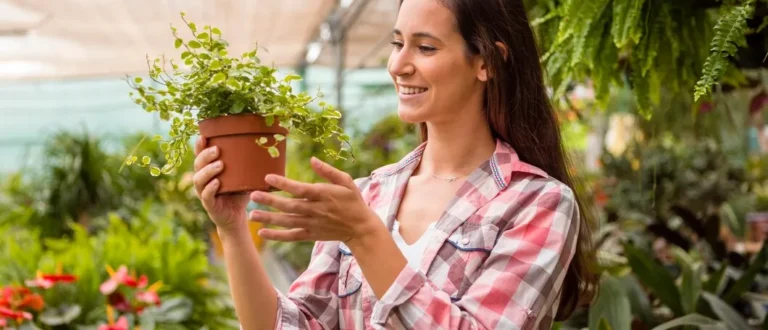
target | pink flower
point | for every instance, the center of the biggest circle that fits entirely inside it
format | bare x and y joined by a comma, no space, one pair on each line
121,277
121,324
148,297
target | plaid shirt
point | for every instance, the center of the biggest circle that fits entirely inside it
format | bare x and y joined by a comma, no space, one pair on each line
496,260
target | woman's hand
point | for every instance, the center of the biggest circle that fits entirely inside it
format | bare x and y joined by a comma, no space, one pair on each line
226,211
332,211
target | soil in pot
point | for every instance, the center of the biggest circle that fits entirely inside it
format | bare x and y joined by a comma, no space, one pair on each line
245,162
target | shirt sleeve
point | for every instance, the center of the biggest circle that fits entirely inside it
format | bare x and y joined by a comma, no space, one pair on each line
312,300
519,281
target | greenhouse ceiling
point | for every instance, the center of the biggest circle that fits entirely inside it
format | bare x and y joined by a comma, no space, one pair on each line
65,39
57,39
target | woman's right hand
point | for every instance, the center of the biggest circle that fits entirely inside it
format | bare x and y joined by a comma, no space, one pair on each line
226,211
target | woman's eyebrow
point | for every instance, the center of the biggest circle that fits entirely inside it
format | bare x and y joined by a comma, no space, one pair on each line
418,35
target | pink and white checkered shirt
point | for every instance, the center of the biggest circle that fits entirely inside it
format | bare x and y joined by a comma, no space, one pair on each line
496,259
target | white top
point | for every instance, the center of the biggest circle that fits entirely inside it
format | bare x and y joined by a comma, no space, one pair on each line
414,252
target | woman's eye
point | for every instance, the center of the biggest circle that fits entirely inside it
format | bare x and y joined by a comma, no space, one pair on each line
427,49
397,44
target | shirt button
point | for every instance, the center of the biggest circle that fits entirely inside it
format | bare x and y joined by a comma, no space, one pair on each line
464,241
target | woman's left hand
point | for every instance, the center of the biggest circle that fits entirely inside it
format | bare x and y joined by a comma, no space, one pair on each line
333,211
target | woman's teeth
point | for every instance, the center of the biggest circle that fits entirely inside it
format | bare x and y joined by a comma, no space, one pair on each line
412,90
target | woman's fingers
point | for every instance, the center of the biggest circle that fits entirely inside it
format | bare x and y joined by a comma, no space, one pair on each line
205,157
200,144
289,205
332,174
286,220
208,195
295,188
203,177
286,235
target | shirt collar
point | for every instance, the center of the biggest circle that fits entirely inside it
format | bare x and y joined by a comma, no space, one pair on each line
503,163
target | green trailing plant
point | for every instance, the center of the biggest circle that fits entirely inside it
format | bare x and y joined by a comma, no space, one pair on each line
657,47
209,82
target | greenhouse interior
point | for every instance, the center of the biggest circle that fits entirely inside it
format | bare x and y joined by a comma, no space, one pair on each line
662,109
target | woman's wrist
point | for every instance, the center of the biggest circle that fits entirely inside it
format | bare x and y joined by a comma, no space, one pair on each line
234,232
369,233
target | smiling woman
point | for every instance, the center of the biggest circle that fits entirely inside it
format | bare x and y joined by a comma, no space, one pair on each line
479,227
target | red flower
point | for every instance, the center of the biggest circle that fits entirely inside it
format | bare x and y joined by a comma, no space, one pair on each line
118,301
16,298
46,281
19,316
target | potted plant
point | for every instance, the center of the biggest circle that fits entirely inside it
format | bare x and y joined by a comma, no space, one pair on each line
237,103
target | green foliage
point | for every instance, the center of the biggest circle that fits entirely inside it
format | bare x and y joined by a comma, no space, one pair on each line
729,33
612,306
214,83
656,47
655,278
155,248
697,320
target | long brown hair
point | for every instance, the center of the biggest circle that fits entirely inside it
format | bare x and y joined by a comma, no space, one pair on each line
519,112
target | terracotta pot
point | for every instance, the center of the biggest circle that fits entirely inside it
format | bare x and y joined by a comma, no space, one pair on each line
245,162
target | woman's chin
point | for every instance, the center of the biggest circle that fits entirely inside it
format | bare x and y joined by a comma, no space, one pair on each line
410,115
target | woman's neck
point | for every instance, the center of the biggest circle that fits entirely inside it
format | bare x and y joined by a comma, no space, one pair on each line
456,147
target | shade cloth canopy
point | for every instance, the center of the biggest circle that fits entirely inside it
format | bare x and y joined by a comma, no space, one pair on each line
44,39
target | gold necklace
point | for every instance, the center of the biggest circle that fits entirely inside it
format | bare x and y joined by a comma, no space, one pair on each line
448,179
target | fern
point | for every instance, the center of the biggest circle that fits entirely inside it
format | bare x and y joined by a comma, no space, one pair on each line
605,71
591,13
626,20
728,31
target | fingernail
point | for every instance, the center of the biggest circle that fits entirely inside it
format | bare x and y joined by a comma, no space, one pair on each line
270,179
215,182
217,165
214,151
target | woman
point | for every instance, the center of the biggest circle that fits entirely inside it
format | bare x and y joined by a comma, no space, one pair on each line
510,249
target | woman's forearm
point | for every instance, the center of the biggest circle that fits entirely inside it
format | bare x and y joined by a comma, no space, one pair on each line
379,258
253,293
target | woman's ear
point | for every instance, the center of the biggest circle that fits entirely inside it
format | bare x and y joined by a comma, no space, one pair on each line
503,49
484,73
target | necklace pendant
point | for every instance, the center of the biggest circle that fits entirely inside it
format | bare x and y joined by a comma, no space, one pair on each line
451,179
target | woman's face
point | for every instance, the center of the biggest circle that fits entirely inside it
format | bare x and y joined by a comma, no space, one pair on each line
433,75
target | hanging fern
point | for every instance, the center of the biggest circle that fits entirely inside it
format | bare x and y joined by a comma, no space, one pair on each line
656,46
627,14
729,32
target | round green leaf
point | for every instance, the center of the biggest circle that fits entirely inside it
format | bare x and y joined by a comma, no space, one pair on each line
194,44
216,31
202,36
262,140
219,77
138,80
177,44
154,171
273,152
233,83
215,65
145,160
279,137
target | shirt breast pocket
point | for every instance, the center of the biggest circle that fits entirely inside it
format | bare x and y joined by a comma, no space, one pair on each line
350,274
462,256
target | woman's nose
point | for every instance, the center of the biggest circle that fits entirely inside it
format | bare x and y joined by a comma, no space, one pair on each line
400,64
